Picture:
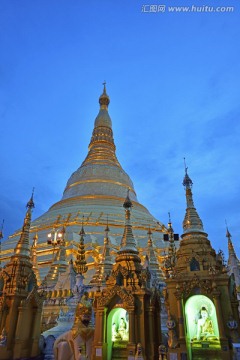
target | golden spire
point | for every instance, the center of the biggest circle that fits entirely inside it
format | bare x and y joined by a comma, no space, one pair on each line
106,256
128,244
192,221
101,149
150,251
104,98
231,250
149,237
105,264
80,263
156,272
22,247
172,247
34,258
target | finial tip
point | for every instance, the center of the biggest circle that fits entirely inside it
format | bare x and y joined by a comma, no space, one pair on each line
30,203
187,182
127,203
228,235
185,166
82,232
104,87
104,98
169,217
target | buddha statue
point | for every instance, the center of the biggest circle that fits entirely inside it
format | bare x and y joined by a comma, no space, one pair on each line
205,329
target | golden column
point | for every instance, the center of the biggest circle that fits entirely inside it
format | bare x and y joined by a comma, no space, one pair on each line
180,317
217,303
131,326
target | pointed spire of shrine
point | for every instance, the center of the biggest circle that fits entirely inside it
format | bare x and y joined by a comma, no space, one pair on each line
231,250
34,261
104,98
80,263
149,237
106,256
82,232
105,264
150,251
151,258
22,247
106,246
128,244
102,149
192,221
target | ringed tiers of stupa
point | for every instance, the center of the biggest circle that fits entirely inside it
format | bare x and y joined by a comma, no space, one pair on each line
93,196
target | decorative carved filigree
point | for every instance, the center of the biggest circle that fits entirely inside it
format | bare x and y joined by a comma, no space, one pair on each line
107,295
120,269
145,277
184,288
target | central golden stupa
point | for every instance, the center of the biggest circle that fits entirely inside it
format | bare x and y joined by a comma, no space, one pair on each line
93,196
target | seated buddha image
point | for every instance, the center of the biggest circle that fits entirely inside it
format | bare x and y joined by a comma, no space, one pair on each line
120,331
205,329
115,335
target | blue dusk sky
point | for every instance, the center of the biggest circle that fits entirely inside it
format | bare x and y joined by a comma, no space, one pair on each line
173,78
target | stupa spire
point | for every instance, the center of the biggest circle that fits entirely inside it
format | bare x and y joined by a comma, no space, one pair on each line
195,244
152,260
149,237
102,149
22,247
192,221
128,244
172,247
80,263
106,257
34,258
231,250
106,261
105,264
100,174
104,98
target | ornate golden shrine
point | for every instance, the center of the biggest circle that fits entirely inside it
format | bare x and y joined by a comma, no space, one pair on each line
199,297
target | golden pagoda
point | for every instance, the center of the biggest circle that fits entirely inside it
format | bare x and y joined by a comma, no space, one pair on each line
96,191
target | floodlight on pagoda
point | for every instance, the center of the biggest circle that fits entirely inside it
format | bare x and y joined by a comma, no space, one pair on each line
54,238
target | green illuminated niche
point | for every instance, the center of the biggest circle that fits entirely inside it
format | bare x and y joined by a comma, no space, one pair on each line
120,328
201,321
